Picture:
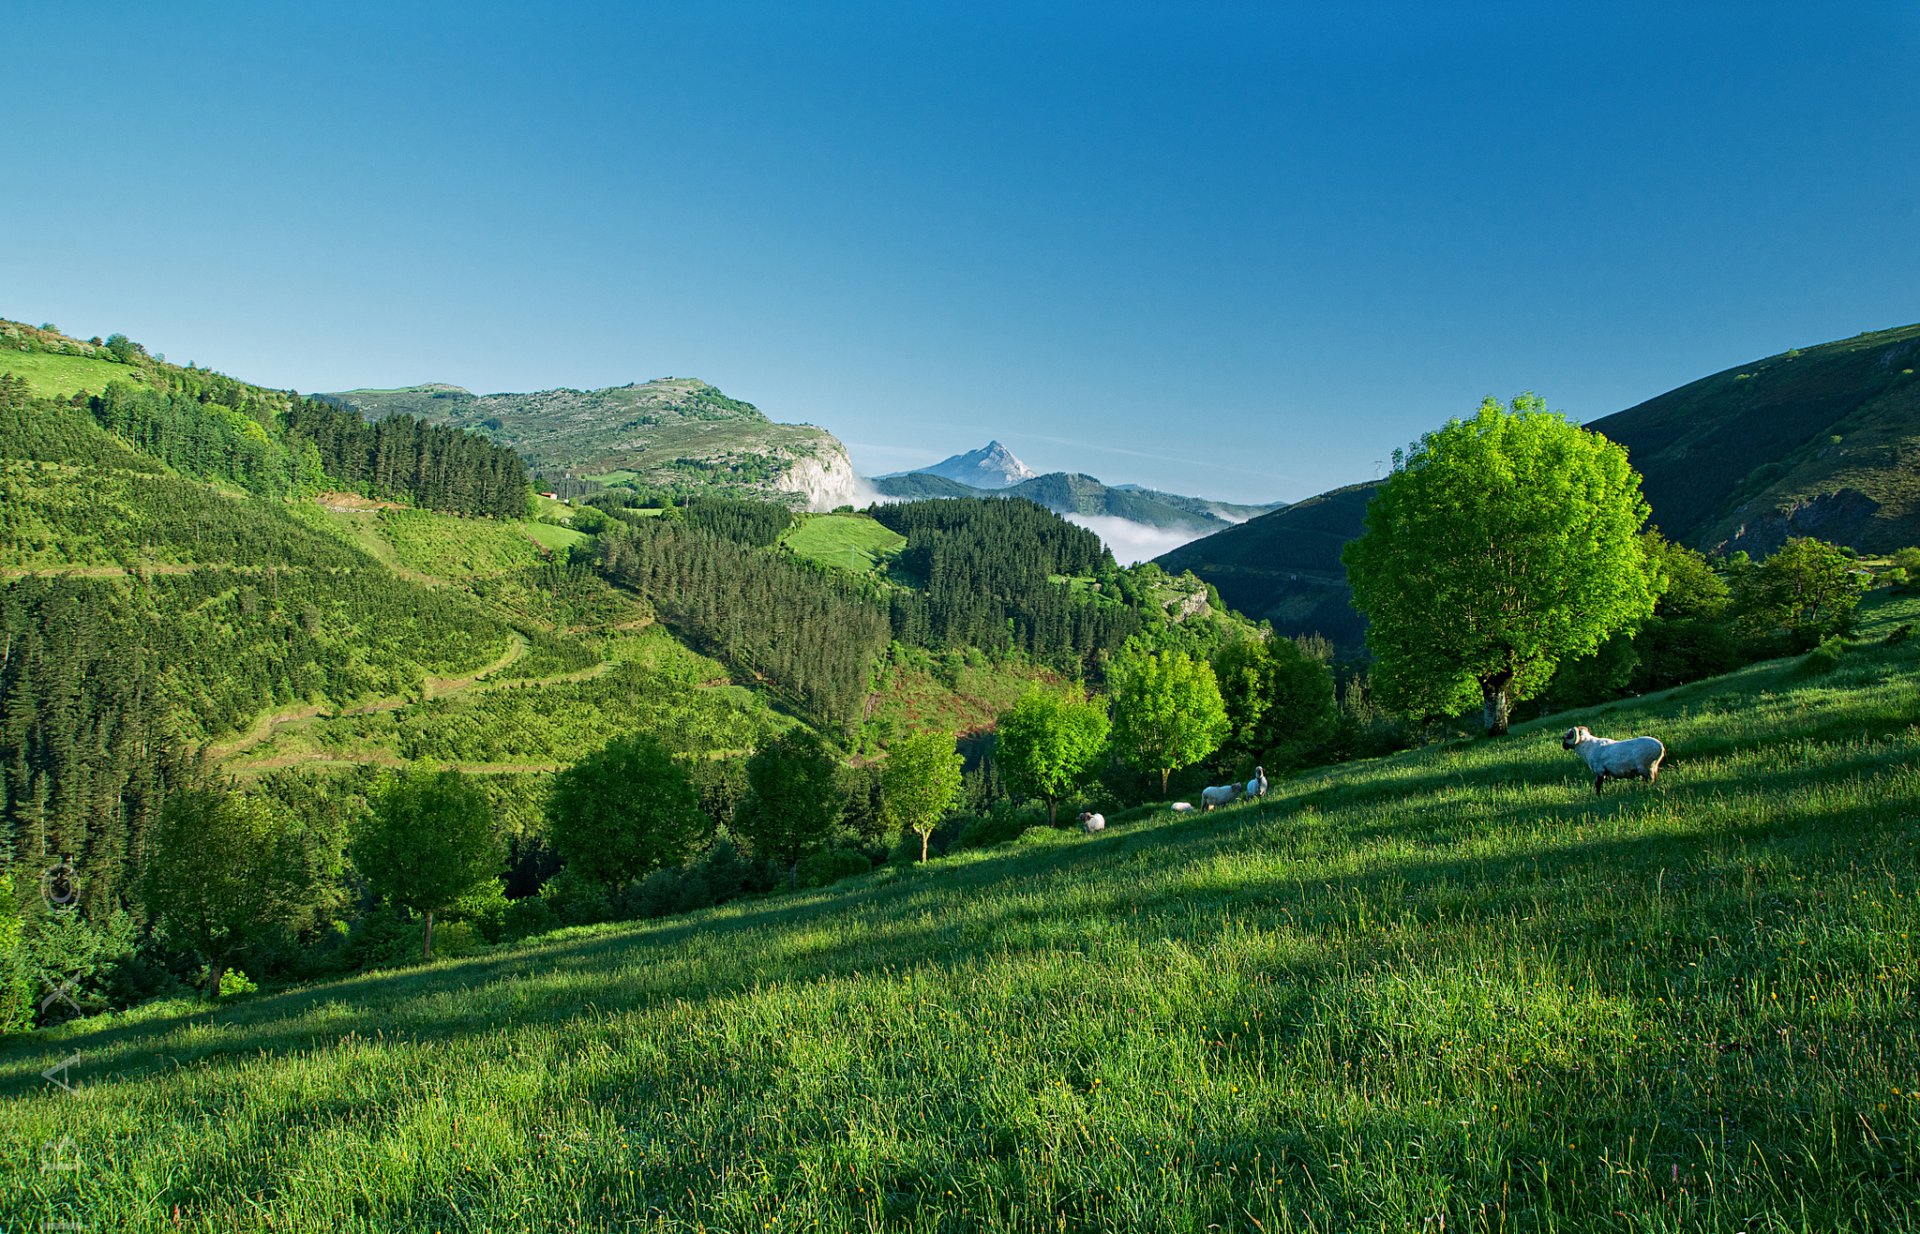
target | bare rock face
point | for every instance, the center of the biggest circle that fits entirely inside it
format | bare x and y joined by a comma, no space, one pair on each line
824,477
1844,517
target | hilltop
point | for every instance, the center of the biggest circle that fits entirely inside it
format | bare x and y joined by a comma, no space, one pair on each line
1821,441
673,434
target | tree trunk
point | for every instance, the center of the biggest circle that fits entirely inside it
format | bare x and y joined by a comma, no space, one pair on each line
924,837
215,971
1164,773
426,947
1494,692
1051,802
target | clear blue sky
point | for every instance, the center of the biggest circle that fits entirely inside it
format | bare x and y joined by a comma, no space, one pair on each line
1236,249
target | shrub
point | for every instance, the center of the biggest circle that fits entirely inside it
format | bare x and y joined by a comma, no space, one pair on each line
832,865
1004,822
528,916
235,984
576,899
656,895
1824,658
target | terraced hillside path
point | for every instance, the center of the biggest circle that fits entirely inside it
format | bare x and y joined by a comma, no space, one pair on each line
431,687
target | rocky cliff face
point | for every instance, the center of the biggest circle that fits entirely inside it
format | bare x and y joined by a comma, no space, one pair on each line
824,477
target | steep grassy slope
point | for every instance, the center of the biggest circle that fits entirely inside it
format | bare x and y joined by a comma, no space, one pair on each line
1822,441
674,433
1451,989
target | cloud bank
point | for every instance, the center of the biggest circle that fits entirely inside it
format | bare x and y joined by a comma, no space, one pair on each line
1132,542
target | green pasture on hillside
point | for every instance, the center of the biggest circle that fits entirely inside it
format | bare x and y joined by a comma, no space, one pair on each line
1451,989
845,541
51,375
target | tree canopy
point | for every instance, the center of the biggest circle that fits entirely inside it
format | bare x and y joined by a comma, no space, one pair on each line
223,871
1498,547
428,843
1167,711
920,783
624,811
1279,699
795,797
1051,743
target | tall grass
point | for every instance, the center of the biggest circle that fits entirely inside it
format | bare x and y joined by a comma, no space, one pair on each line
1446,990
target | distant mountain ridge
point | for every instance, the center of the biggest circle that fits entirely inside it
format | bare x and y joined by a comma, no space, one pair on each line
673,433
1069,493
1821,441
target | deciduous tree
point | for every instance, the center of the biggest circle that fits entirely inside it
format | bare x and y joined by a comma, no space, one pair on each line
1279,700
1051,743
428,843
1498,547
624,811
795,797
222,870
1167,711
920,783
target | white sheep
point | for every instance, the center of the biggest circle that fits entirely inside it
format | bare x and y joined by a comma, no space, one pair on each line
1635,758
1219,795
1257,787
1181,807
1091,823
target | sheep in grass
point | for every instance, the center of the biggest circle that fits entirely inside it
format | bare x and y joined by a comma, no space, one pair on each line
1257,787
1219,795
1181,807
1091,822
1635,758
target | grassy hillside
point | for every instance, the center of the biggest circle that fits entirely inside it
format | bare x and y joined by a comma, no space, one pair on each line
1448,989
1818,441
845,542
51,375
673,434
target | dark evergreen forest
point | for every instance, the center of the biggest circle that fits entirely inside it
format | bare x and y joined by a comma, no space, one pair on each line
995,576
812,637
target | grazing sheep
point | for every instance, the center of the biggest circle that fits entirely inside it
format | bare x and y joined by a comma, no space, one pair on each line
1635,758
1219,795
1091,823
1181,807
1257,787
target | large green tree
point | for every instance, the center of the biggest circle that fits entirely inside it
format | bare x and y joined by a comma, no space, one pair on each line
795,797
1167,711
1499,546
428,843
223,870
1051,743
1809,588
920,783
1279,699
624,811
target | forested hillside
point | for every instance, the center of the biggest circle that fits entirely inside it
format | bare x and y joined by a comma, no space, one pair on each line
206,582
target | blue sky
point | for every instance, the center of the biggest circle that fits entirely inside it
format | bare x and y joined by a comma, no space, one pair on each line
1239,250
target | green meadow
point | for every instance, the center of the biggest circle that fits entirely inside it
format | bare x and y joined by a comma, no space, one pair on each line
1452,989
845,541
50,374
